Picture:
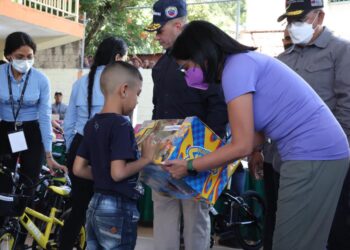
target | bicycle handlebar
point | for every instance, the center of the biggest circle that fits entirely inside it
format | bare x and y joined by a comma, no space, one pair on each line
9,172
69,182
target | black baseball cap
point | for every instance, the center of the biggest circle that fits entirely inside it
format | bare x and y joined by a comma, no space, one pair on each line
164,11
297,9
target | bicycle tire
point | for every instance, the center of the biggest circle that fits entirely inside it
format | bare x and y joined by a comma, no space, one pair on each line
80,243
56,235
249,220
7,240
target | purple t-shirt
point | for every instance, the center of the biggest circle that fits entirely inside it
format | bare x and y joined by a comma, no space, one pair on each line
286,108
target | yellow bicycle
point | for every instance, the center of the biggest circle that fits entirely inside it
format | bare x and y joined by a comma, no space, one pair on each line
44,228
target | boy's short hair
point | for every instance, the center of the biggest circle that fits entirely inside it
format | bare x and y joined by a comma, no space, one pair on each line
117,73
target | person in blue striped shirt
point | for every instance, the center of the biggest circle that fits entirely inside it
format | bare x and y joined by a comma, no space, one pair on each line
25,113
85,101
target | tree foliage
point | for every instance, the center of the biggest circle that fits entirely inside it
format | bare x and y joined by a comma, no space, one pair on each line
120,18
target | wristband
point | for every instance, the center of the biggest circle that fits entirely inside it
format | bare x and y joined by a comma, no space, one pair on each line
190,169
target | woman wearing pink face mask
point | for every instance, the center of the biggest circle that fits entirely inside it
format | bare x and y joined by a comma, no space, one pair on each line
25,112
266,99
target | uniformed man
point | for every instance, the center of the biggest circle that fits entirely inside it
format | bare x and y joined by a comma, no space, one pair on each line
174,99
323,60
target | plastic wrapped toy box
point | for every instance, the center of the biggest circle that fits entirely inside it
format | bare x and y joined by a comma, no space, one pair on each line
184,139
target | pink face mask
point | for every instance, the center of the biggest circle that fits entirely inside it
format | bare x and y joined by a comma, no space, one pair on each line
195,79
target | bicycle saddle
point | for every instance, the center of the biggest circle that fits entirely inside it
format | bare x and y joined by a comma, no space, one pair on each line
62,190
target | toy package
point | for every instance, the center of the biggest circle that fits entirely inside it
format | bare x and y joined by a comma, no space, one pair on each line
184,139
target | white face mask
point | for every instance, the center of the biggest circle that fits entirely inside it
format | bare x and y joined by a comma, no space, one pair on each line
22,66
301,32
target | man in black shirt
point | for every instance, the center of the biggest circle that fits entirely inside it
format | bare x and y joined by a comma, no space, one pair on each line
173,99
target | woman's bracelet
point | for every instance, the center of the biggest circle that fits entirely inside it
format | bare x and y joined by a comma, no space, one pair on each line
190,169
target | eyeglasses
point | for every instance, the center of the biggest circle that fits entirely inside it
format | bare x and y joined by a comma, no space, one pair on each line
293,19
159,31
182,69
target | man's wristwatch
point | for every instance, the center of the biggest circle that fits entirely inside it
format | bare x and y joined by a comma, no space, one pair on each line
190,170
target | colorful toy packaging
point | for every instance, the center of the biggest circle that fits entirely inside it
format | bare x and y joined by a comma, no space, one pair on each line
184,139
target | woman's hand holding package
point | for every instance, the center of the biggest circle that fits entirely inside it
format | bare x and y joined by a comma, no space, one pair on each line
177,168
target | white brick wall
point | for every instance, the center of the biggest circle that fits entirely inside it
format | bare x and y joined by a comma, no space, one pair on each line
64,57
145,106
63,79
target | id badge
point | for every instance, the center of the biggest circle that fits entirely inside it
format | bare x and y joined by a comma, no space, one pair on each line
17,141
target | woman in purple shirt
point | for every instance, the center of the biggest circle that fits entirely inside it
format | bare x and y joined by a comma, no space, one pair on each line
266,99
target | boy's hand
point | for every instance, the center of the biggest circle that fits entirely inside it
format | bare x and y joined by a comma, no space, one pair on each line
148,148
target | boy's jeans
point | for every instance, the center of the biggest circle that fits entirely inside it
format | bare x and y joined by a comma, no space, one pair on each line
111,223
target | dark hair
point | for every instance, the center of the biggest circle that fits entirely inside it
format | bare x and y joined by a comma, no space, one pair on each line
126,67
58,93
105,54
16,40
208,46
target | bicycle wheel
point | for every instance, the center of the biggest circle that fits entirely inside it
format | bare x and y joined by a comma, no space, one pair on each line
80,243
7,240
55,236
249,221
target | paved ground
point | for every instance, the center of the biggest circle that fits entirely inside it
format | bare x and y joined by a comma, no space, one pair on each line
146,243
145,240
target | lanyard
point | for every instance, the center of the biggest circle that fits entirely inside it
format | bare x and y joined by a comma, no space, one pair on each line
15,113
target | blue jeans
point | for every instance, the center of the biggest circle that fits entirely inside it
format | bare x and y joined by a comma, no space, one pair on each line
111,223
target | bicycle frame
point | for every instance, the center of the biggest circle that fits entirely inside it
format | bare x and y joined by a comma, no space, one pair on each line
240,223
41,238
240,202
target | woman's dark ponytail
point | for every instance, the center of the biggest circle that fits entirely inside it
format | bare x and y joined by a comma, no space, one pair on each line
90,87
105,54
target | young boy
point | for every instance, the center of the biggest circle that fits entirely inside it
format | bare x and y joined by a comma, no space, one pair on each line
108,154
